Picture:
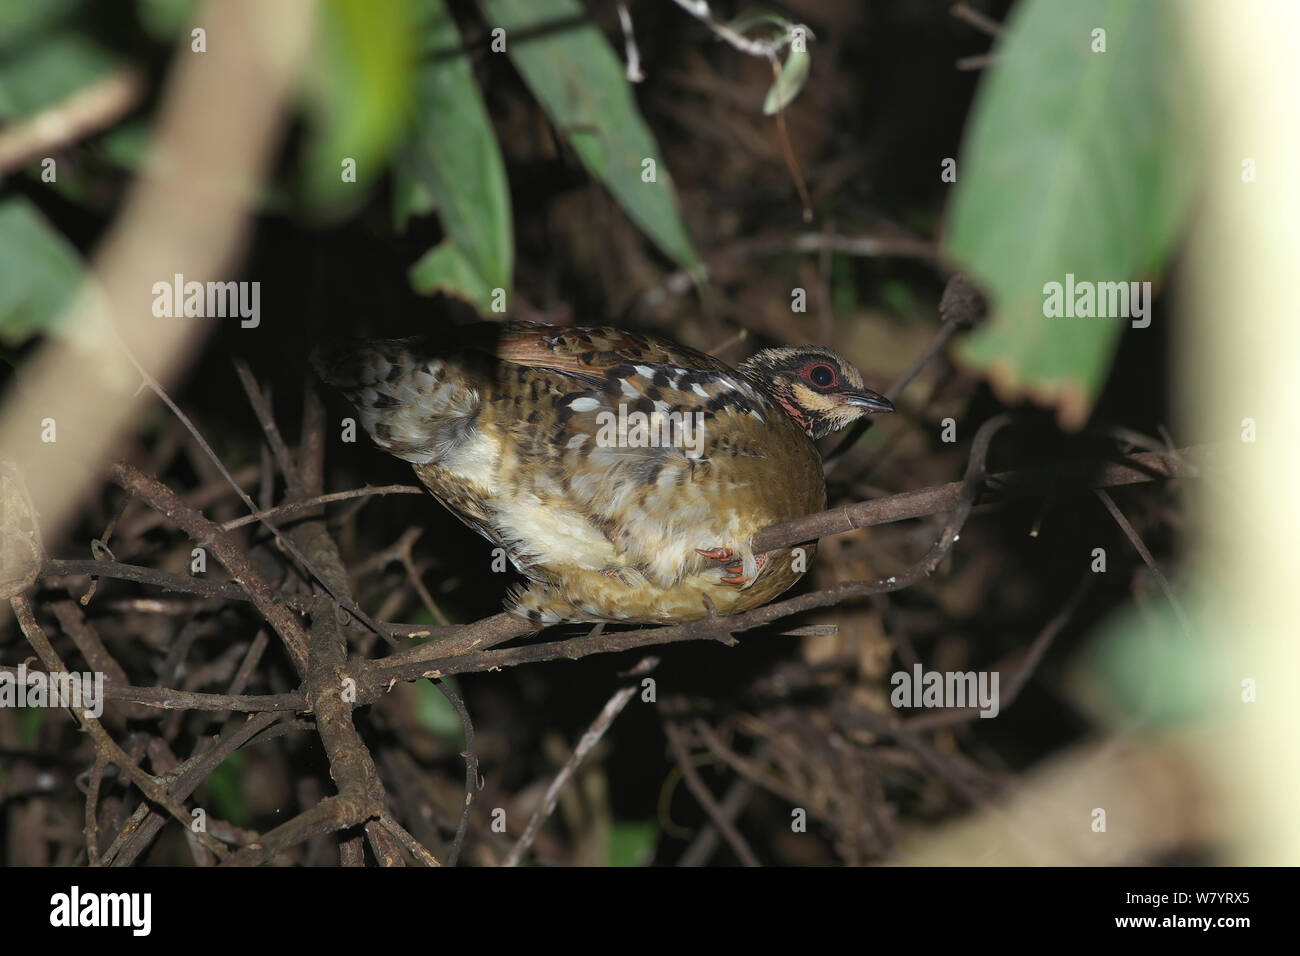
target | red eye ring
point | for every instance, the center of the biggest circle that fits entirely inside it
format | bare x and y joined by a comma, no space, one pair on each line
821,375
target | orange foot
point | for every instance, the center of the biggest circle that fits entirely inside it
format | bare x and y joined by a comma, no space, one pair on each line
717,554
736,572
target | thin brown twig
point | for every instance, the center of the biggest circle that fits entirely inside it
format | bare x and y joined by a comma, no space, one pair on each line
226,550
180,583
92,807
261,405
410,843
455,634
608,714
701,792
962,305
753,770
150,786
201,497
283,540
1128,470
705,843
296,507
135,837
787,150
964,11
470,753
1136,539
867,246
226,590
330,815
404,556
1030,659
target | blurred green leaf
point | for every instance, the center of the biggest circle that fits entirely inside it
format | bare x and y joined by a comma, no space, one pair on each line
1074,162
580,82
30,720
445,268
49,70
164,19
793,73
898,296
359,97
454,155
22,21
632,844
39,270
1142,667
789,82
225,793
844,284
411,198
126,144
434,712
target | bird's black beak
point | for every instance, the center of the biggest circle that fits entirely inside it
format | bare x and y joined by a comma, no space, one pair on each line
866,398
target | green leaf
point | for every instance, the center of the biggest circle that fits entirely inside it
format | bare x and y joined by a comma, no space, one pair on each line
580,82
165,19
20,22
30,720
1141,666
39,271
1074,162
789,81
359,97
445,268
225,790
454,155
127,144
435,713
49,70
898,296
632,844
793,73
411,198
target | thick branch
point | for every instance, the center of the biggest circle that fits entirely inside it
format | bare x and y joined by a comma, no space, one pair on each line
351,765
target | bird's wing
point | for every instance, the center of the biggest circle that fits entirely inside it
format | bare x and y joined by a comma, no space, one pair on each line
594,382
592,352
643,438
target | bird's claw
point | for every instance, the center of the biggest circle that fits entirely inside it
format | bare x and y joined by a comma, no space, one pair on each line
736,572
717,554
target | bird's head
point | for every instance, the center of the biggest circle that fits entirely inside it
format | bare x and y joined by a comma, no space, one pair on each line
820,390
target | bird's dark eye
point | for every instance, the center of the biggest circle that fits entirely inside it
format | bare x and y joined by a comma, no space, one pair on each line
821,375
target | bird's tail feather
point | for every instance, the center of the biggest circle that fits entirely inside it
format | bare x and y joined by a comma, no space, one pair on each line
414,404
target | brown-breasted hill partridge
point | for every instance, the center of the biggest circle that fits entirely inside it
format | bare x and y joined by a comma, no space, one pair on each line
624,475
